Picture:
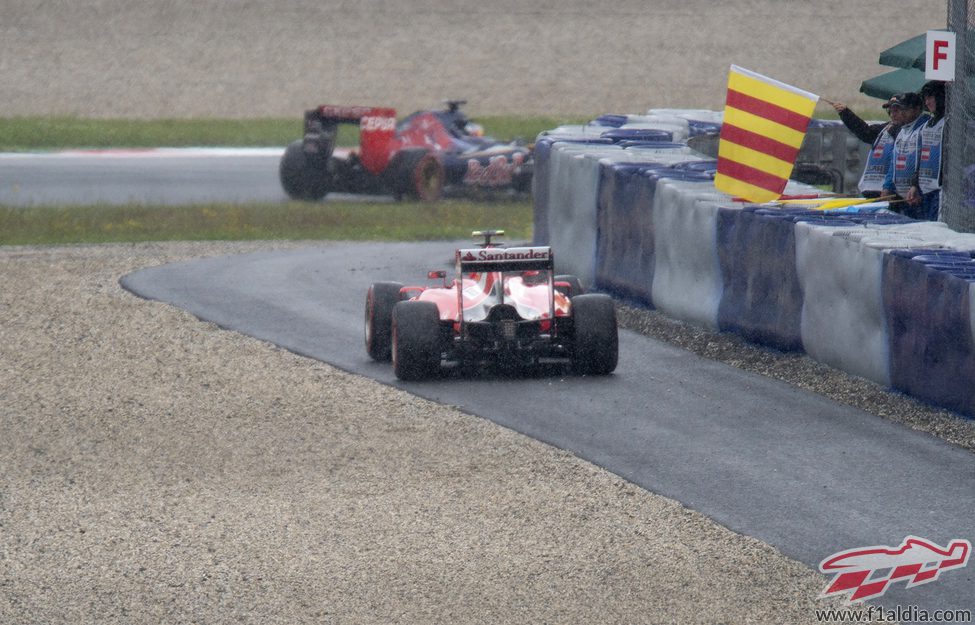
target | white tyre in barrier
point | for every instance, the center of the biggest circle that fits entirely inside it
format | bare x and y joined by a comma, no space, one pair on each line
687,282
843,322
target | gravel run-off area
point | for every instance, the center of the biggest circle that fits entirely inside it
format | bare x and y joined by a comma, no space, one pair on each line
157,469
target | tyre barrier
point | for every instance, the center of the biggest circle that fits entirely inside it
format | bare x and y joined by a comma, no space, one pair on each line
841,280
541,175
762,300
571,164
929,313
631,208
574,169
625,232
687,282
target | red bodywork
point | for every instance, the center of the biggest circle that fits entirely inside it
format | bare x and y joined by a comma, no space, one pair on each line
480,291
378,138
377,132
525,284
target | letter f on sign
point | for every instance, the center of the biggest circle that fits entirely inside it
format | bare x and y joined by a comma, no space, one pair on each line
939,55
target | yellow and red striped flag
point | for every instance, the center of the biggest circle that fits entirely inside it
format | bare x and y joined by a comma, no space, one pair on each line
765,122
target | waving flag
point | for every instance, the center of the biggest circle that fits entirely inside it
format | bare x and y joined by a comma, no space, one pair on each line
765,122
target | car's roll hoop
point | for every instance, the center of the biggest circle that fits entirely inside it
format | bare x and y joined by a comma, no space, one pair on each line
486,236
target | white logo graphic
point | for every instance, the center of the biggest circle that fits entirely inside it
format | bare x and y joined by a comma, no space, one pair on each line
867,572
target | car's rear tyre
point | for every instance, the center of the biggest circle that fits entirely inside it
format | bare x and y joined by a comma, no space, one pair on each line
417,175
381,298
303,177
575,285
595,335
416,348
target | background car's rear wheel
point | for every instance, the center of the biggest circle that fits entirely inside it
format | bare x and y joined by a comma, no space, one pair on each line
303,177
380,301
596,339
416,345
428,179
417,175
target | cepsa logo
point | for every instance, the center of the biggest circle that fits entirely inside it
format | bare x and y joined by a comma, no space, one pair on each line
511,253
378,124
868,572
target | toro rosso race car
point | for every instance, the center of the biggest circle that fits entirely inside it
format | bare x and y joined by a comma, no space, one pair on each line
415,158
505,307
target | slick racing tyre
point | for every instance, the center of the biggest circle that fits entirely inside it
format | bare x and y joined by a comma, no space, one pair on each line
417,175
575,286
596,339
416,340
303,177
380,301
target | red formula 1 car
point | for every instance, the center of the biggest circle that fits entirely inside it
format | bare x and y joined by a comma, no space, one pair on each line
417,157
505,307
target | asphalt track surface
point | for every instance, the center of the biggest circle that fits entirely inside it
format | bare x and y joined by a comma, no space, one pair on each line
152,176
805,474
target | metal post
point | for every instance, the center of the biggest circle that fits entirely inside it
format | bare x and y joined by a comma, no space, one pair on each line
958,193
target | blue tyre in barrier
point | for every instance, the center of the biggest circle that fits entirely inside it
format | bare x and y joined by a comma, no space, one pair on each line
652,145
670,173
624,245
639,134
698,128
611,120
762,298
707,166
929,319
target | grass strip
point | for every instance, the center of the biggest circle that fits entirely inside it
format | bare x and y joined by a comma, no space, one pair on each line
352,221
54,133
19,134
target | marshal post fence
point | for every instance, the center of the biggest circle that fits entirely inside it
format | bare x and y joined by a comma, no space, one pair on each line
958,201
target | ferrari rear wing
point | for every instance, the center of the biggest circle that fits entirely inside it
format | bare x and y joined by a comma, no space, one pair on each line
504,259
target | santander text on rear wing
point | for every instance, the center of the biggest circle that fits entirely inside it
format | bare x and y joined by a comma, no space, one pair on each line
504,259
